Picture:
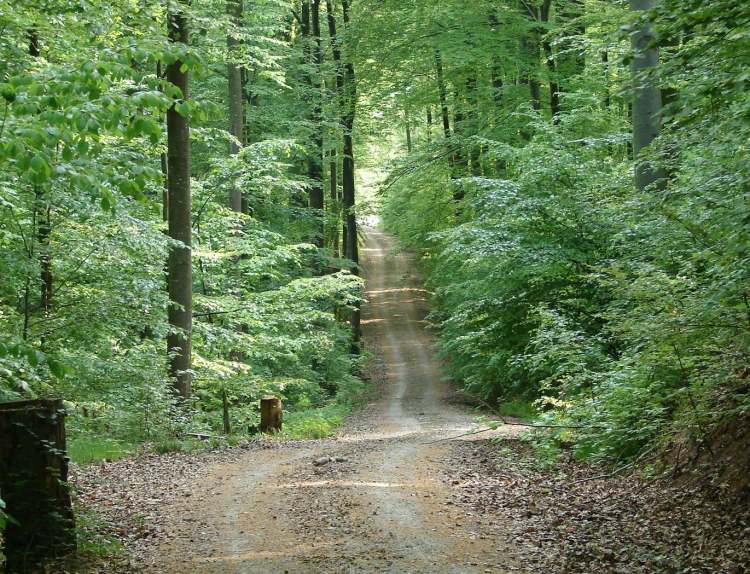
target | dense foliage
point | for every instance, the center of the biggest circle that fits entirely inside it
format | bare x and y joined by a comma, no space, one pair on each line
83,248
618,309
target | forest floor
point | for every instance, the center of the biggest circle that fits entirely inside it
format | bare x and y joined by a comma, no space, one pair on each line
387,495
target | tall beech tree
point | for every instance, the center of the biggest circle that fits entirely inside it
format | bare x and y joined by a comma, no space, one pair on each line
180,267
348,117
316,156
338,71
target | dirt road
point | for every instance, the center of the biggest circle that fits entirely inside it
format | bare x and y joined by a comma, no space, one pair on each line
382,506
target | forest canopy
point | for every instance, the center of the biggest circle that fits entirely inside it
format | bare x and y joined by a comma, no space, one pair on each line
178,223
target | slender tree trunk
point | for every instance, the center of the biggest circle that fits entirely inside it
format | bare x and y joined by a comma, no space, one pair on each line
333,178
429,125
407,120
341,100
45,259
607,92
530,53
497,96
236,110
475,152
44,218
496,77
352,247
316,160
554,87
443,94
180,263
459,160
496,72
646,98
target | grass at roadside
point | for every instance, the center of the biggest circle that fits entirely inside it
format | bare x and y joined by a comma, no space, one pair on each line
85,449
314,423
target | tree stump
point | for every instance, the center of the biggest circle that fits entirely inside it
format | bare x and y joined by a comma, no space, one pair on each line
33,483
271,414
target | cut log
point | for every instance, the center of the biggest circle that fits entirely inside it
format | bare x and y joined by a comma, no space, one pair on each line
34,483
271,415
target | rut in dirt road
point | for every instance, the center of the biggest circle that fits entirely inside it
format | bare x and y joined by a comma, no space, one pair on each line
383,506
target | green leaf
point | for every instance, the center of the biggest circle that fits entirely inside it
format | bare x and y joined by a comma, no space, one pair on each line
182,108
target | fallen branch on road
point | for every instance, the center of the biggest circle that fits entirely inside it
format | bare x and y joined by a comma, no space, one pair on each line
517,424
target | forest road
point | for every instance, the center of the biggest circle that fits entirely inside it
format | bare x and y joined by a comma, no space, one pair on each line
383,506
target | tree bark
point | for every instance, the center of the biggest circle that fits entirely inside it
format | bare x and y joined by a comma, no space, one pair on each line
225,412
44,219
407,121
429,125
339,87
607,91
333,182
442,94
316,160
271,415
647,102
554,86
180,256
352,247
472,117
530,53
496,77
236,109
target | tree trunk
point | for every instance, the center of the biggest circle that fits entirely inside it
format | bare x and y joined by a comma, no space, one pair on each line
530,53
458,160
646,98
333,179
339,75
472,117
496,77
225,412
236,110
408,131
316,160
271,415
44,228
607,92
33,483
442,94
341,98
554,86
44,219
180,263
352,247
429,125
